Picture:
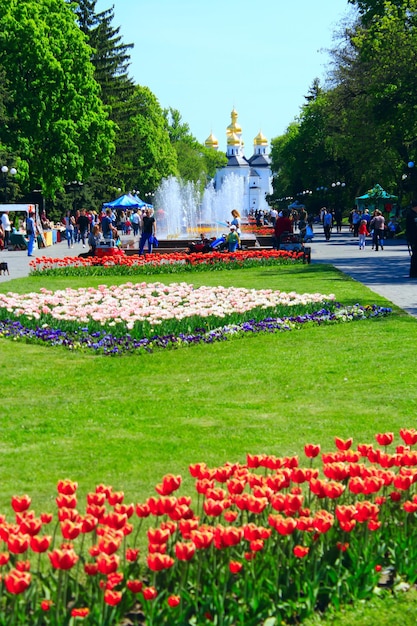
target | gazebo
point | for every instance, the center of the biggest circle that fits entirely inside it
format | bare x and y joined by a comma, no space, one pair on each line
376,198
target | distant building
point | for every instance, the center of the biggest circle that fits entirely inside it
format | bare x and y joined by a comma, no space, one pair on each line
255,171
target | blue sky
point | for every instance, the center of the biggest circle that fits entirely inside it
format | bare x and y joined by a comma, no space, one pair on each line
204,58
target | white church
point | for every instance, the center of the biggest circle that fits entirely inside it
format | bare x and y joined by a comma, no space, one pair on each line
255,171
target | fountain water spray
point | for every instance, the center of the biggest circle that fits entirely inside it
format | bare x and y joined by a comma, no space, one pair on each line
182,211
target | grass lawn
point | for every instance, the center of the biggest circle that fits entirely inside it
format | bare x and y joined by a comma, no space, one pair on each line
127,421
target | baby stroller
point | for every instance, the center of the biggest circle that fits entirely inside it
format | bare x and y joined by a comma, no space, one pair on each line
219,244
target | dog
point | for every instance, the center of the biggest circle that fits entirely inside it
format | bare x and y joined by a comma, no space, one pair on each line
4,268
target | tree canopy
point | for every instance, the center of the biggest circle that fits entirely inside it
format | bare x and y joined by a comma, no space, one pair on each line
56,120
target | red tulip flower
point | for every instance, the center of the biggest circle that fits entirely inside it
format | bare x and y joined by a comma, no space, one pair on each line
81,612
115,497
142,510
384,439
409,436
17,544
17,582
184,551
63,559
132,555
149,593
21,503
46,605
40,543
311,450
135,586
158,562
107,564
235,567
173,601
70,530
301,551
112,598
343,444
67,487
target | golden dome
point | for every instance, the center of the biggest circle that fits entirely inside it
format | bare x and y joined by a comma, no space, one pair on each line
234,126
211,141
233,140
260,139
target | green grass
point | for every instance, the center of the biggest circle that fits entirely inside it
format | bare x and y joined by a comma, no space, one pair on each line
128,421
390,610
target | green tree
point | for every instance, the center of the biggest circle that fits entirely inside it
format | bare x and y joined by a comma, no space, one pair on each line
57,122
154,157
195,162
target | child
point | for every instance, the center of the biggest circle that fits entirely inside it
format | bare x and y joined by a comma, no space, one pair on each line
232,239
362,233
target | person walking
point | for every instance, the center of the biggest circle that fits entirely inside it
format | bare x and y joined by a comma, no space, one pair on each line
31,232
377,224
411,235
148,231
69,229
327,224
83,224
7,227
232,239
362,234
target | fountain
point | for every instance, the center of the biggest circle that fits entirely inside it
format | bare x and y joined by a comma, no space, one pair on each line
182,212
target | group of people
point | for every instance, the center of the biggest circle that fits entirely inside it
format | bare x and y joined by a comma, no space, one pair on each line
90,227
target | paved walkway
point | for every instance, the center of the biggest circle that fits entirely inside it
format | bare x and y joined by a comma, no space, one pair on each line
385,271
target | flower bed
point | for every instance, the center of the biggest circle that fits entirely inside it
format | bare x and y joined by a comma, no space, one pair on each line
162,263
275,537
143,316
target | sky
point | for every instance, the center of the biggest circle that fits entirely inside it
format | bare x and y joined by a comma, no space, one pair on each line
206,58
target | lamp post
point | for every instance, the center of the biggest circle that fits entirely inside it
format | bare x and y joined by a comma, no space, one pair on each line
74,187
5,171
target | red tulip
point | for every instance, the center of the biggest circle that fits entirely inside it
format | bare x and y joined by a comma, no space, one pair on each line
173,601
17,544
301,551
112,598
158,562
17,582
21,503
158,535
46,605
235,567
66,501
142,510
409,436
115,497
132,555
135,586
184,551
202,539
343,444
63,559
70,530
82,612
91,569
67,487
384,439
149,593
107,564
40,543
311,450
